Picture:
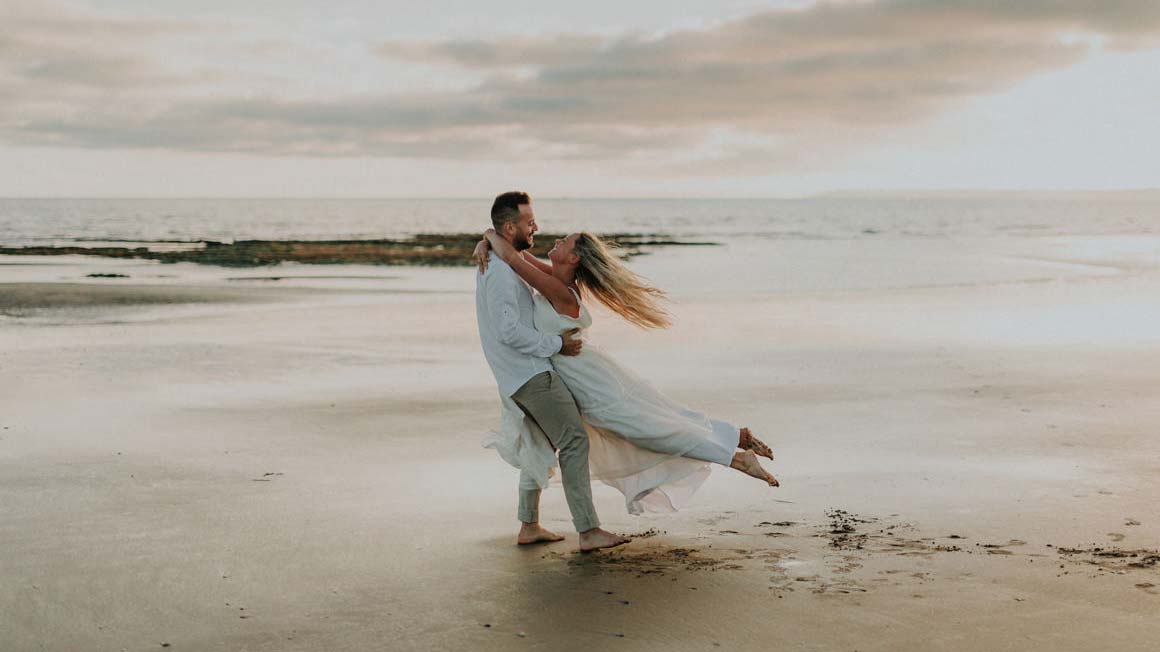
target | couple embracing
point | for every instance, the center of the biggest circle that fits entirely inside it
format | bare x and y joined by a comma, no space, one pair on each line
567,400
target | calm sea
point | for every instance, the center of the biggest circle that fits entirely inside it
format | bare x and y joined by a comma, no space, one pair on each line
64,221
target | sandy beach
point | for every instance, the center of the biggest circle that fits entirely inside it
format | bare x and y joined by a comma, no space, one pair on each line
289,458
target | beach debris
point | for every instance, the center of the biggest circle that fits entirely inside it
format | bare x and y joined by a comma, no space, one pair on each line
107,275
1131,521
655,561
839,562
266,476
651,532
1114,559
999,548
843,532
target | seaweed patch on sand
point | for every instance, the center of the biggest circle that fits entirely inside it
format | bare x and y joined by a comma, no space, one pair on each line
844,554
662,560
1113,559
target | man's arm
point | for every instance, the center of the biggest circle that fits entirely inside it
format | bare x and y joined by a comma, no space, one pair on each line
503,307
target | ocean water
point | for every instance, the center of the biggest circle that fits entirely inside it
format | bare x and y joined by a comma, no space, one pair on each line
70,221
766,248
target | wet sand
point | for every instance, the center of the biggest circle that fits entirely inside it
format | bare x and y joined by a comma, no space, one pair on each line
964,465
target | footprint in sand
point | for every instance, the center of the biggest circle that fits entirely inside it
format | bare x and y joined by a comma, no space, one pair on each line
1147,587
714,520
1115,537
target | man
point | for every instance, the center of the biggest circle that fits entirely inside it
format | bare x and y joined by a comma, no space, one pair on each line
518,356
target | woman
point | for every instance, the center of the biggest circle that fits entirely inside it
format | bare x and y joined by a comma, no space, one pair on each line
652,449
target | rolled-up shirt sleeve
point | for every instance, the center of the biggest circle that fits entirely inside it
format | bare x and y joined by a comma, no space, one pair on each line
503,305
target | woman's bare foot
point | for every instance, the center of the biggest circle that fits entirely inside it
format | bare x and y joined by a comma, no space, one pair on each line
746,462
533,533
596,539
748,442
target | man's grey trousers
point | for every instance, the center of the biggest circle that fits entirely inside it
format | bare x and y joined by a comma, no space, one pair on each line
547,400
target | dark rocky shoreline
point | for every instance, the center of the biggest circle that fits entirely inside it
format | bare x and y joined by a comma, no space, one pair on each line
434,249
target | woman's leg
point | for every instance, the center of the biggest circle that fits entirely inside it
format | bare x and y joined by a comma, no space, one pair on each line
745,461
711,450
718,449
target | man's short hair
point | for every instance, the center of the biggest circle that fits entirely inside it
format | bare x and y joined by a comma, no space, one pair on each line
506,208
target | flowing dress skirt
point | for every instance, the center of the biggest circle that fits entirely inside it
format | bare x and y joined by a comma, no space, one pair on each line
652,449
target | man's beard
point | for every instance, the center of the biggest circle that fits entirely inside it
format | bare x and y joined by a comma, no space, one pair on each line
521,243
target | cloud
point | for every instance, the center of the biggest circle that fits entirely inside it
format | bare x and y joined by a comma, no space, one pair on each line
773,90
513,52
67,47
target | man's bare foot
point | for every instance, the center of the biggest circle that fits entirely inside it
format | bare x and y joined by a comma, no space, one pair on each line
533,533
596,539
746,462
748,442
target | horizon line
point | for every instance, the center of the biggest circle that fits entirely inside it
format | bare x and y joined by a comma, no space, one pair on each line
869,193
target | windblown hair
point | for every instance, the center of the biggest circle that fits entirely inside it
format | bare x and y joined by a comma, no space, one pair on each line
628,295
506,208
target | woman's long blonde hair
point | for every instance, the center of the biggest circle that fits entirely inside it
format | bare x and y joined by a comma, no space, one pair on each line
628,295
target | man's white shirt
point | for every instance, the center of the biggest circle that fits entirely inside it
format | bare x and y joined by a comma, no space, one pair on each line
504,310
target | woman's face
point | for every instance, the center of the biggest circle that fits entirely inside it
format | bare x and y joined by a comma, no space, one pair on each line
565,250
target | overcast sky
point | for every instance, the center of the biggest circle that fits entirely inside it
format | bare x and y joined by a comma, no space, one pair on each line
643,98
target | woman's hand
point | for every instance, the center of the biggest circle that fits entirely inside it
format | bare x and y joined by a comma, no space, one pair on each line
479,256
501,247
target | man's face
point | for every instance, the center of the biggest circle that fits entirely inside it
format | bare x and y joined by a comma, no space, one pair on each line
525,229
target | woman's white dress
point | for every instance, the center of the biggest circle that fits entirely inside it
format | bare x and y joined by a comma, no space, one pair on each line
652,449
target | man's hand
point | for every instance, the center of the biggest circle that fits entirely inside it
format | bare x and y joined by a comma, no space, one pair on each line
479,256
571,346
